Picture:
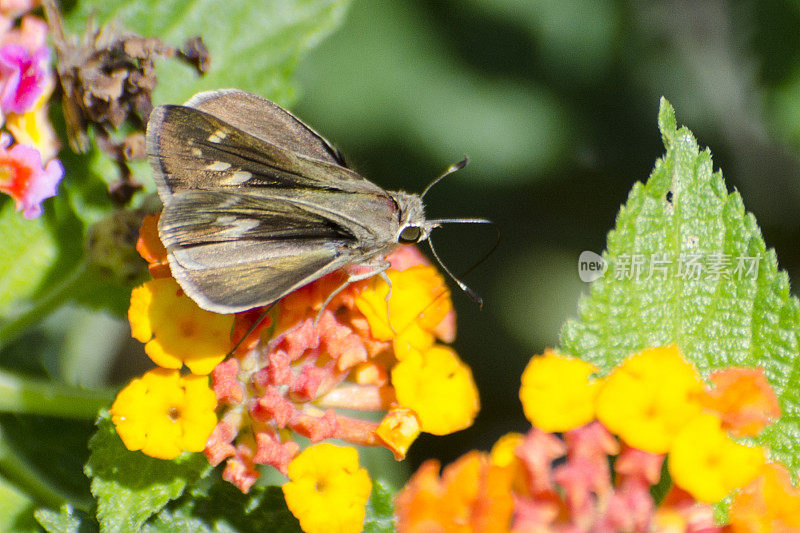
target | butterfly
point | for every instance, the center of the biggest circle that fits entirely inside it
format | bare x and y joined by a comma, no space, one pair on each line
257,204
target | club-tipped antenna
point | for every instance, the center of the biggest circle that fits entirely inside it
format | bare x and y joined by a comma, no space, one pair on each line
463,286
452,168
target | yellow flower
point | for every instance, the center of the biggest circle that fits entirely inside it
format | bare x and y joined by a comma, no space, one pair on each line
175,330
708,464
504,457
398,430
557,394
504,450
163,413
419,302
649,398
439,388
34,129
327,491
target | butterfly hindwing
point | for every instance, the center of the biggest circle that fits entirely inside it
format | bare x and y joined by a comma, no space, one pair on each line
233,251
238,287
198,217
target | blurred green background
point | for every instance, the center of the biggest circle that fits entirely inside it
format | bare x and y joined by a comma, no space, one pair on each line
555,103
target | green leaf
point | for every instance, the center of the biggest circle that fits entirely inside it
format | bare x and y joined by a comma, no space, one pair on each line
40,261
253,45
45,457
66,520
222,507
380,509
130,487
685,210
16,509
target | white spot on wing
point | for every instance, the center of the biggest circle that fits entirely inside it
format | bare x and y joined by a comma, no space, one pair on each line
246,224
238,177
235,226
217,136
197,152
219,166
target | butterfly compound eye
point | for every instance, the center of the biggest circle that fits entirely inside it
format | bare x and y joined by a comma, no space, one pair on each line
410,235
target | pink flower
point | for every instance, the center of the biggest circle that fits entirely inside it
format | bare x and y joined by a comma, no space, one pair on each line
24,179
14,8
23,77
31,33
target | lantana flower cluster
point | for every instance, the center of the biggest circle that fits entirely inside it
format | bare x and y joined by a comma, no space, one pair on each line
292,371
652,410
29,172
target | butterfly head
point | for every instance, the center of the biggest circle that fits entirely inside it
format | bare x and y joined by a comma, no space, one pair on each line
413,227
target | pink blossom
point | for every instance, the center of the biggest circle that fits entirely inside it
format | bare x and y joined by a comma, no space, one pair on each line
274,452
291,380
272,406
23,77
219,447
23,178
14,8
31,33
226,386
316,428
240,470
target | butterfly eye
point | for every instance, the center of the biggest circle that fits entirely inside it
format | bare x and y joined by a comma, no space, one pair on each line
410,235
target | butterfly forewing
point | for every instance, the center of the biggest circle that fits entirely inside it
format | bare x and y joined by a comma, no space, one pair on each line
199,151
255,208
263,119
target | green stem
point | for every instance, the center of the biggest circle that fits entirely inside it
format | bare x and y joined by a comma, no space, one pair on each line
29,396
20,473
43,306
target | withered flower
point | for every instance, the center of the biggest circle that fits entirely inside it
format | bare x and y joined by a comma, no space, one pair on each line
106,77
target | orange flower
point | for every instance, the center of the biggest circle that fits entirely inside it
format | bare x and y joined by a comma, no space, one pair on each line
295,378
24,177
769,503
151,249
398,430
473,495
743,399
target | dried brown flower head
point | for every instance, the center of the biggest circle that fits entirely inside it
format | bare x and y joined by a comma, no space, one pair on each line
107,77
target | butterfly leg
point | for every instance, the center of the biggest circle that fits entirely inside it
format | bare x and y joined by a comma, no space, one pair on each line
388,281
377,268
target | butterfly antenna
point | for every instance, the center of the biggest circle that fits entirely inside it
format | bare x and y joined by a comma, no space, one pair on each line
452,168
438,223
463,286
491,250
